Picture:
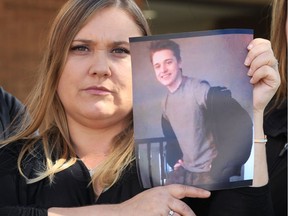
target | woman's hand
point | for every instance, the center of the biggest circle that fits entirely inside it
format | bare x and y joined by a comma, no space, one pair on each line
266,80
161,200
263,72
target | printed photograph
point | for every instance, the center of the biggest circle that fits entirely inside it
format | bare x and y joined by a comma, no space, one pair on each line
192,109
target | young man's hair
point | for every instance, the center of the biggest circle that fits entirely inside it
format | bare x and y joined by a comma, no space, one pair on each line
159,45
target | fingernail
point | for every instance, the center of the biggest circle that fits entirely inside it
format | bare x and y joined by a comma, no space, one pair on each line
249,73
247,61
249,46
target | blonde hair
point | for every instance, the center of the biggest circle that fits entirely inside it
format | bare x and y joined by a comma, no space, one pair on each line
279,44
46,113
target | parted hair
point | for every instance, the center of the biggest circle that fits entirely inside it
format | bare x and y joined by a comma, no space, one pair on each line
46,112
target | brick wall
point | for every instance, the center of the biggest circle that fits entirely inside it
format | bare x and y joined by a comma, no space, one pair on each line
23,28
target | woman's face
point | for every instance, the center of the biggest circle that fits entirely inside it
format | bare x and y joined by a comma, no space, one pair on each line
95,87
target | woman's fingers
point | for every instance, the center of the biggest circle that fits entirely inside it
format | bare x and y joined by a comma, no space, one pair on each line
180,208
260,53
181,191
255,48
161,200
263,59
267,75
263,72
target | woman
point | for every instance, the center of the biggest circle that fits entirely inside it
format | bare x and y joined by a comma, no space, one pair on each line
82,104
275,123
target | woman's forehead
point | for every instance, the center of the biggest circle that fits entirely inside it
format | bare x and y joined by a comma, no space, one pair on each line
110,22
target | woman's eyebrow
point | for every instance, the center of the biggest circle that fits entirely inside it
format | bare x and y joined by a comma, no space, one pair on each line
113,43
121,43
82,40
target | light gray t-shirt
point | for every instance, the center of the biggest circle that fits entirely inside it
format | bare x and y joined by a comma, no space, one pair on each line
184,109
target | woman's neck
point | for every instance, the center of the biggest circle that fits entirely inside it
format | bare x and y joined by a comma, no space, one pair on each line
93,145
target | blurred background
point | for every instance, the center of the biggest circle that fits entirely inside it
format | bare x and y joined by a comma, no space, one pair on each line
24,25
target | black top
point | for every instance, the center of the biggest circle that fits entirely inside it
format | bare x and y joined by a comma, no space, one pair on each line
9,109
275,127
71,189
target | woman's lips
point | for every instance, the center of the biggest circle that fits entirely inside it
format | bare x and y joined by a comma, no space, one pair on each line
97,90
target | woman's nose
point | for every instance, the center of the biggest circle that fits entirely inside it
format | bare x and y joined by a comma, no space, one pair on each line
100,64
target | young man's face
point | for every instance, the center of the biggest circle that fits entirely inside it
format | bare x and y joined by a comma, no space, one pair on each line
167,68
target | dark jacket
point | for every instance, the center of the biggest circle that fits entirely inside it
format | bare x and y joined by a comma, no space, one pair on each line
71,188
275,127
231,127
10,107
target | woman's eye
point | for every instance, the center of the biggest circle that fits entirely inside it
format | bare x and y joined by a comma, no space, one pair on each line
79,48
120,51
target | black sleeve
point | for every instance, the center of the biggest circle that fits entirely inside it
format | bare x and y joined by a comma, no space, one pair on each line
232,130
23,211
247,201
10,108
173,151
13,200
13,104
